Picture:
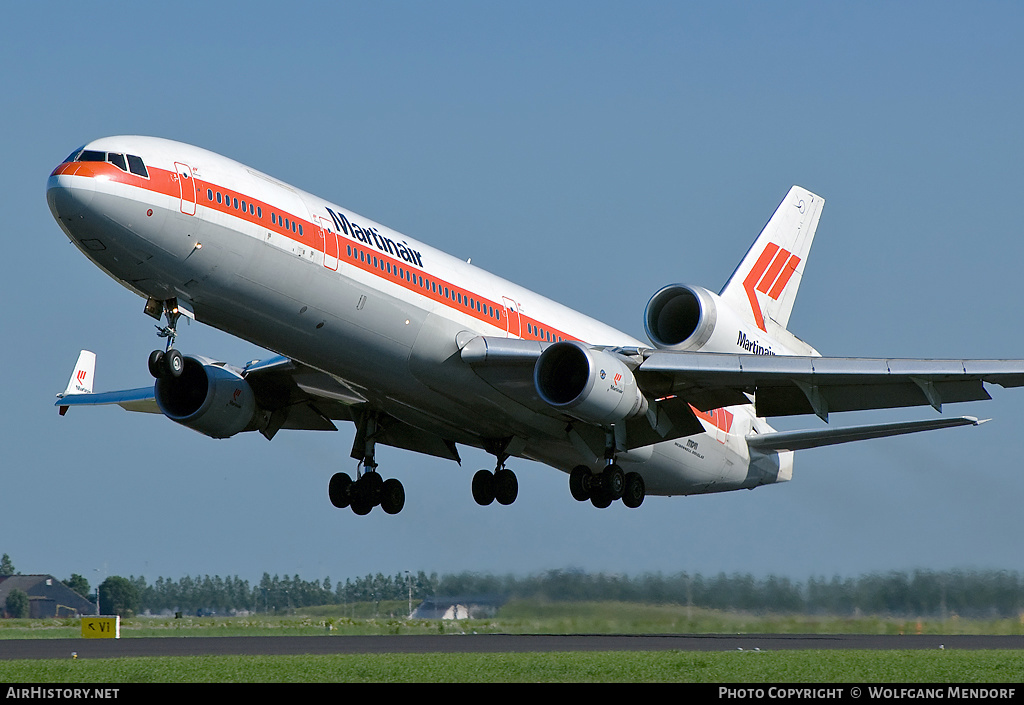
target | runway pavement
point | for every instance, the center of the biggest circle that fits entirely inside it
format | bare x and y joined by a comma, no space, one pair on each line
480,643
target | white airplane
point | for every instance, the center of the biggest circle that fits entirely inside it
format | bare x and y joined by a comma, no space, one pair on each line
425,352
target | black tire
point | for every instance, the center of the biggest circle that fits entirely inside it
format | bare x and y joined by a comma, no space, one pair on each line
372,487
579,483
338,489
174,363
506,486
156,364
392,496
633,497
360,507
483,487
600,499
614,481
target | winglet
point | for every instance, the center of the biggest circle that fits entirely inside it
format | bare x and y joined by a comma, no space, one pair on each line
82,377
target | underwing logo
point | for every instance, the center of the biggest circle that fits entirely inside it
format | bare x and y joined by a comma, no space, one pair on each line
769,275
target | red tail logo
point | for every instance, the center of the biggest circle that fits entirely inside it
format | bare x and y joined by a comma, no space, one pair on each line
80,376
770,275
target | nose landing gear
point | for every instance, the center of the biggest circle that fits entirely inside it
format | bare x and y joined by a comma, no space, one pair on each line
167,362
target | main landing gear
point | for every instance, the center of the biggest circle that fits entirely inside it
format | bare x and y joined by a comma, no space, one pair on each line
501,485
369,489
167,362
603,488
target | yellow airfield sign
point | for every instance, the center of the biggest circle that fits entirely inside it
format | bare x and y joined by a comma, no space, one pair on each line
101,627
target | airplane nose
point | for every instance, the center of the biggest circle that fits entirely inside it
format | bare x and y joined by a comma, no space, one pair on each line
67,200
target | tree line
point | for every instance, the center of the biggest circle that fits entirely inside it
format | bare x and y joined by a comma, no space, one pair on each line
921,593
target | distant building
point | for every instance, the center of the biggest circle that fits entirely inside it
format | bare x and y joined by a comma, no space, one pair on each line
479,607
47,596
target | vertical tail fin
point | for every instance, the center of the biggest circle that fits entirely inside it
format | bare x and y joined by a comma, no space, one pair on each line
83,376
765,284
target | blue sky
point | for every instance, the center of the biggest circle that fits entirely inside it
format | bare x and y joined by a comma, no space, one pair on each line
590,151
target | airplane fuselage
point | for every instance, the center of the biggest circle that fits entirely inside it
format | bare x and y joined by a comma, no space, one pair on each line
386,315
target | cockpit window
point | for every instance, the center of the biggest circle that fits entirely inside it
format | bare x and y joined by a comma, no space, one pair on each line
117,160
72,156
137,167
134,164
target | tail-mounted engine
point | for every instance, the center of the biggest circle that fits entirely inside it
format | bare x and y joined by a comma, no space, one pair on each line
209,398
591,385
681,317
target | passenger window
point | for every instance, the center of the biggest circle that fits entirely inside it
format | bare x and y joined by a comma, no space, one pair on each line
136,166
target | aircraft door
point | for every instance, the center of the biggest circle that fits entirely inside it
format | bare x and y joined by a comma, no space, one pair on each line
513,325
186,187
328,242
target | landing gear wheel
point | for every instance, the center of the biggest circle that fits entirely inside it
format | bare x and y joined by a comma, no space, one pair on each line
614,481
174,363
392,496
483,487
579,483
339,488
600,499
506,486
633,496
360,506
156,363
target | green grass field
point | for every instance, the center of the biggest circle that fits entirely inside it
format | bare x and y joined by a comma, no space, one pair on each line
947,666
746,667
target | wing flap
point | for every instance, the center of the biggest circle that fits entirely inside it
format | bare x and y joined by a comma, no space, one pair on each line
786,386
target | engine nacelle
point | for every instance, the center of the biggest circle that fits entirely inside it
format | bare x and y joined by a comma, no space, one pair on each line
690,318
592,385
681,317
208,398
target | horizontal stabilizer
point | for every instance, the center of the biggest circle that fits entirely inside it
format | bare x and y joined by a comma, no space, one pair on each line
802,440
142,399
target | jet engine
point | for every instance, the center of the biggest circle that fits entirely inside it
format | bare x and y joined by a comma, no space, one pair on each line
591,385
681,317
208,397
